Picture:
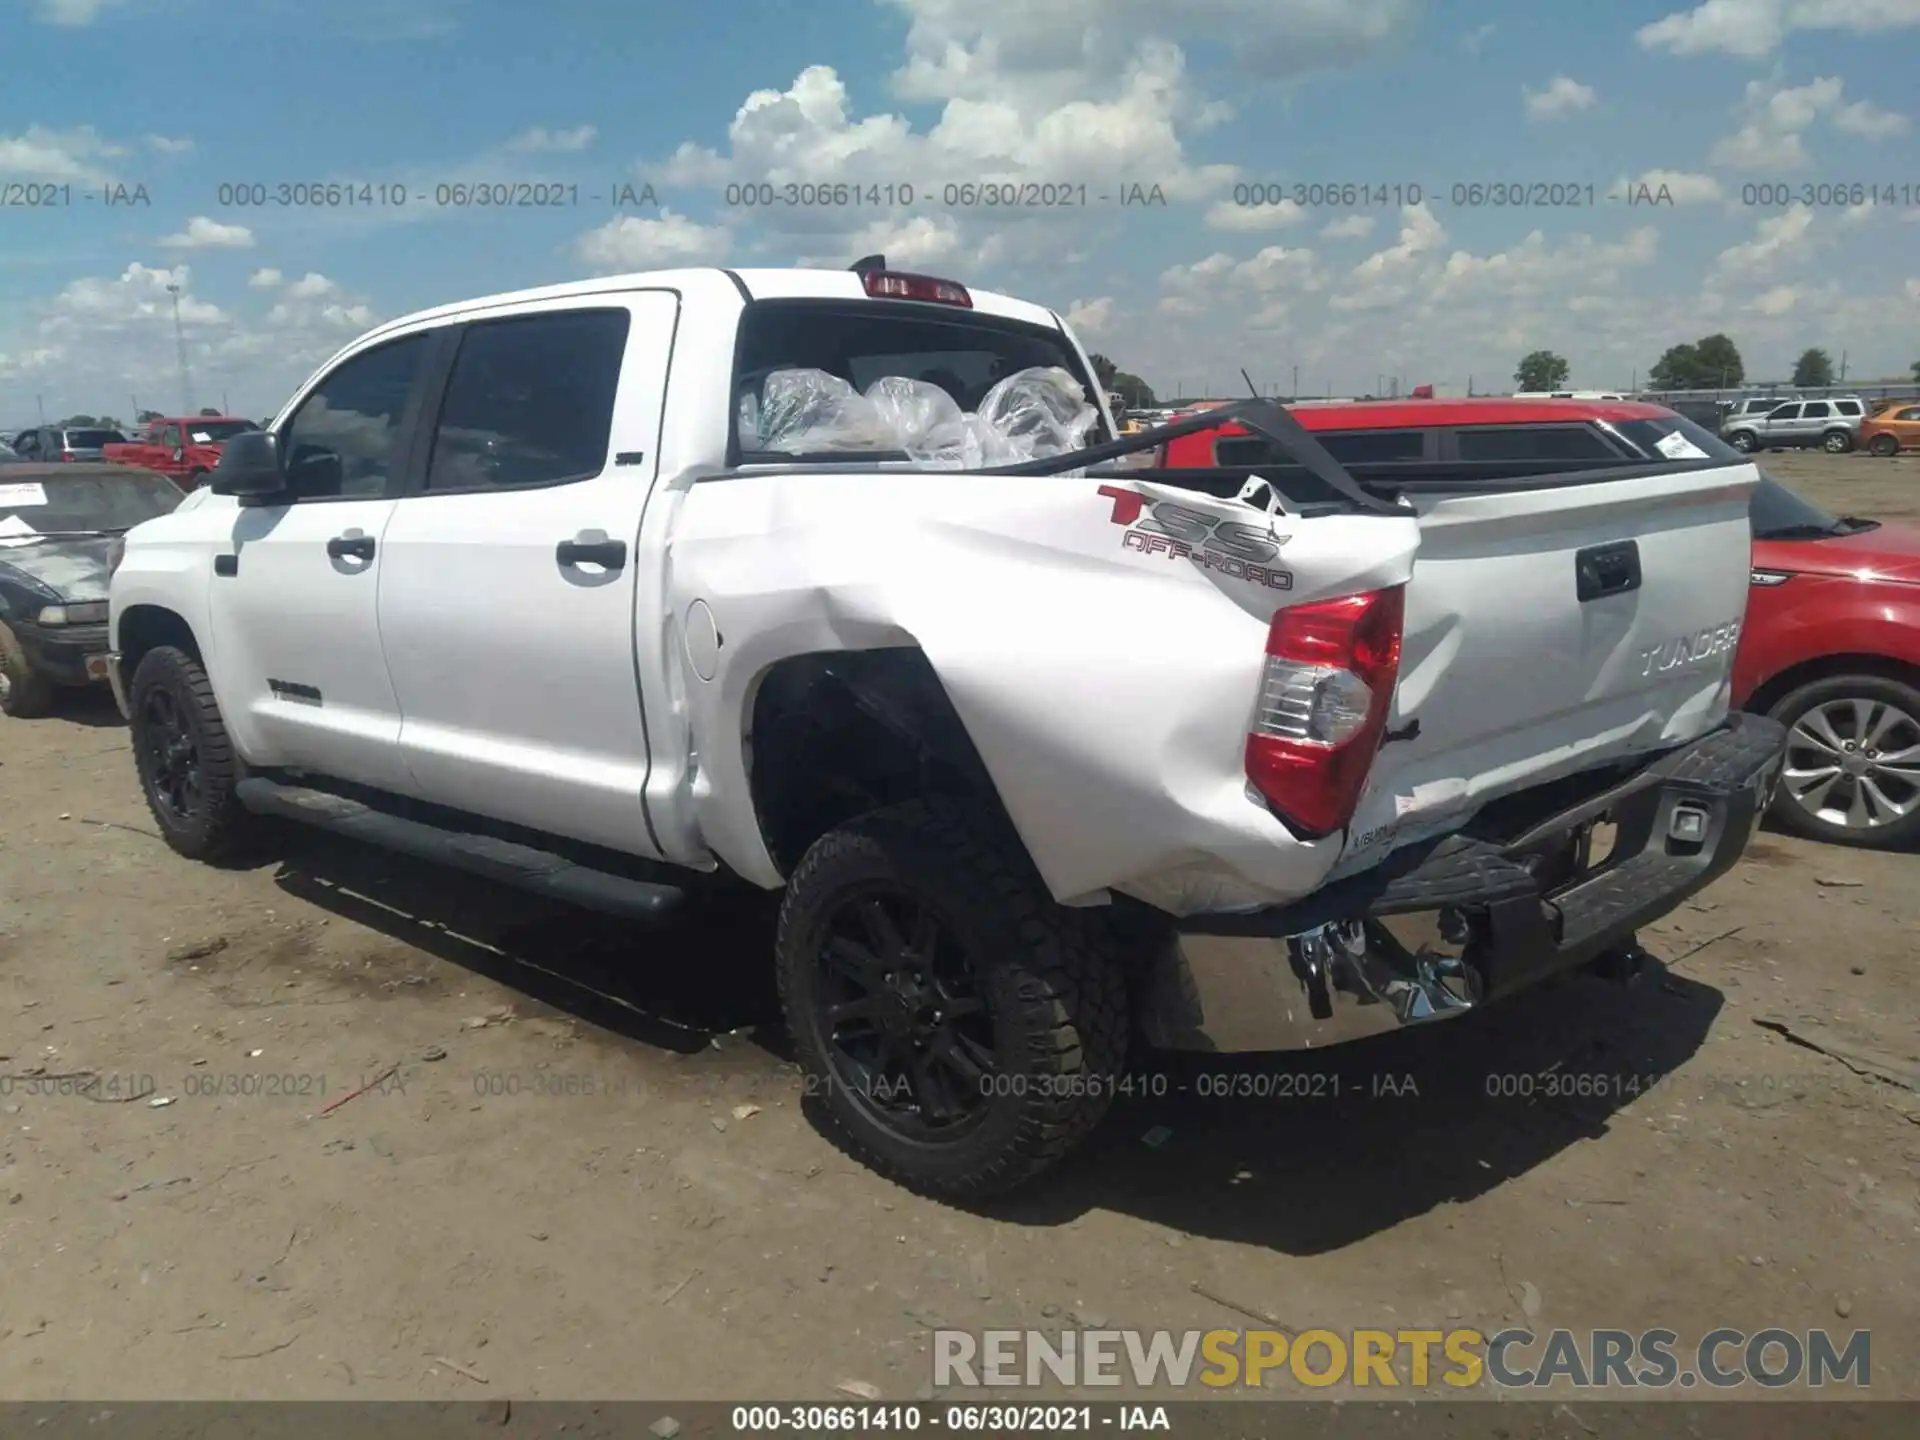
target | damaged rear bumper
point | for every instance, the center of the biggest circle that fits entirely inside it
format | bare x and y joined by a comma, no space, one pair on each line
1503,912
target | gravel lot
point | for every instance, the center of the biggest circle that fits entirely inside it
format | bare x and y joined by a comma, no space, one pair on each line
590,1173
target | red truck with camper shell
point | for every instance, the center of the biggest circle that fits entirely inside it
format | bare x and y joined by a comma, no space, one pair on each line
184,449
1830,644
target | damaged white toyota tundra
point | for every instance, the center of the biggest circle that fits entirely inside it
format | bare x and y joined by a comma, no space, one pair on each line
642,590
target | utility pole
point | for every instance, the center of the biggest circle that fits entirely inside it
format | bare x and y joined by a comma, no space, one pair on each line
180,348
1843,367
1295,392
42,406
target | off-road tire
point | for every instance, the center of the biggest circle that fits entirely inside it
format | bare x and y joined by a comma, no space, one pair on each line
1058,995
28,694
1836,442
1745,441
218,827
1899,834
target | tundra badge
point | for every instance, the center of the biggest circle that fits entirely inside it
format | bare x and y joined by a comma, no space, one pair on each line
1690,649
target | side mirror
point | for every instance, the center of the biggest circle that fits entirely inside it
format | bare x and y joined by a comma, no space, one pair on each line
249,467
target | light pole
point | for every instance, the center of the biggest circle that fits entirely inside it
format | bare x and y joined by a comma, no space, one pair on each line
180,348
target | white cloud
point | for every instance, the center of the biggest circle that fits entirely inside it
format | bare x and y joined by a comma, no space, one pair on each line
810,133
1474,42
1035,57
140,293
72,156
1562,97
1349,227
1261,290
633,243
1384,278
103,337
312,286
540,140
1751,29
203,233
1778,241
919,242
1683,187
1773,138
1090,317
73,14
1854,216
1869,121
265,279
1777,301
165,145
1538,269
1277,215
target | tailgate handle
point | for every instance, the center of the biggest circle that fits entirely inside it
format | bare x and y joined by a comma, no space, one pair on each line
1602,570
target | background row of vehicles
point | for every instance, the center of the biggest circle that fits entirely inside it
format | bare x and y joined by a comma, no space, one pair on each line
183,448
1834,423
1780,421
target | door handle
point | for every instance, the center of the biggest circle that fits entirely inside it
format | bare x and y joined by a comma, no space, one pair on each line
1602,570
583,550
228,565
359,547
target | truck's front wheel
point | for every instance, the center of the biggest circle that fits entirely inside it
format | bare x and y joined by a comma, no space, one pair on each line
962,1031
188,769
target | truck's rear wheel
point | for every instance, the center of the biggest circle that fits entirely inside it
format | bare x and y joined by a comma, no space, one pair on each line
962,1030
188,769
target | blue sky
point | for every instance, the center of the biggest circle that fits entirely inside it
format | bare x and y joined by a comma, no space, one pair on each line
1196,98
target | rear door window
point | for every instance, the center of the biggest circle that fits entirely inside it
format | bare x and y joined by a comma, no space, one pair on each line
1817,410
530,401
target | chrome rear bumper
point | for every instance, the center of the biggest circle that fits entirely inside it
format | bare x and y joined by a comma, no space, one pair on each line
1448,925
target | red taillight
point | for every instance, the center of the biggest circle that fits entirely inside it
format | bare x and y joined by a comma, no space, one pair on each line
893,285
1324,699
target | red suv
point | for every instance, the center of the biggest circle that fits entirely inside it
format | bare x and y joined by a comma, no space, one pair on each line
1831,642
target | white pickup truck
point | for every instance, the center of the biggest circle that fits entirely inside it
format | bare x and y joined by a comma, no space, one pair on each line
1049,755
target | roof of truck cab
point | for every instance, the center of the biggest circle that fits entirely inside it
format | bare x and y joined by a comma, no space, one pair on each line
1480,410
793,284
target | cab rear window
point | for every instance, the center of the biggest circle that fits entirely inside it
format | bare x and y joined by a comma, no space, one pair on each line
963,352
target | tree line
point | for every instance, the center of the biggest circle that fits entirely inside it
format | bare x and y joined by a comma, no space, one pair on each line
1710,363
109,422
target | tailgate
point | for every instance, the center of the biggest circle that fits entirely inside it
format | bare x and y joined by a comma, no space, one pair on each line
1553,629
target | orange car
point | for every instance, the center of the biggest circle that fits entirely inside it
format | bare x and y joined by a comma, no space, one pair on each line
1894,429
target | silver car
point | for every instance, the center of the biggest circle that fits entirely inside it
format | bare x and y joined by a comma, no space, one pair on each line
1833,425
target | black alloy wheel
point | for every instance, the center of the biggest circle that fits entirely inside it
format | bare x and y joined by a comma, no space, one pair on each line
175,780
899,1011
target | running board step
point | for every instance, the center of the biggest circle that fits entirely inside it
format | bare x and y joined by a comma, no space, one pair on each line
521,866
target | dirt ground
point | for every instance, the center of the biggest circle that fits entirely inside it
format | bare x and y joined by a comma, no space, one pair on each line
587,1172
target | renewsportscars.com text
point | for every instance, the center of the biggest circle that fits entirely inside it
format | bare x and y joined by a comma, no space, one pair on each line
1723,1359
